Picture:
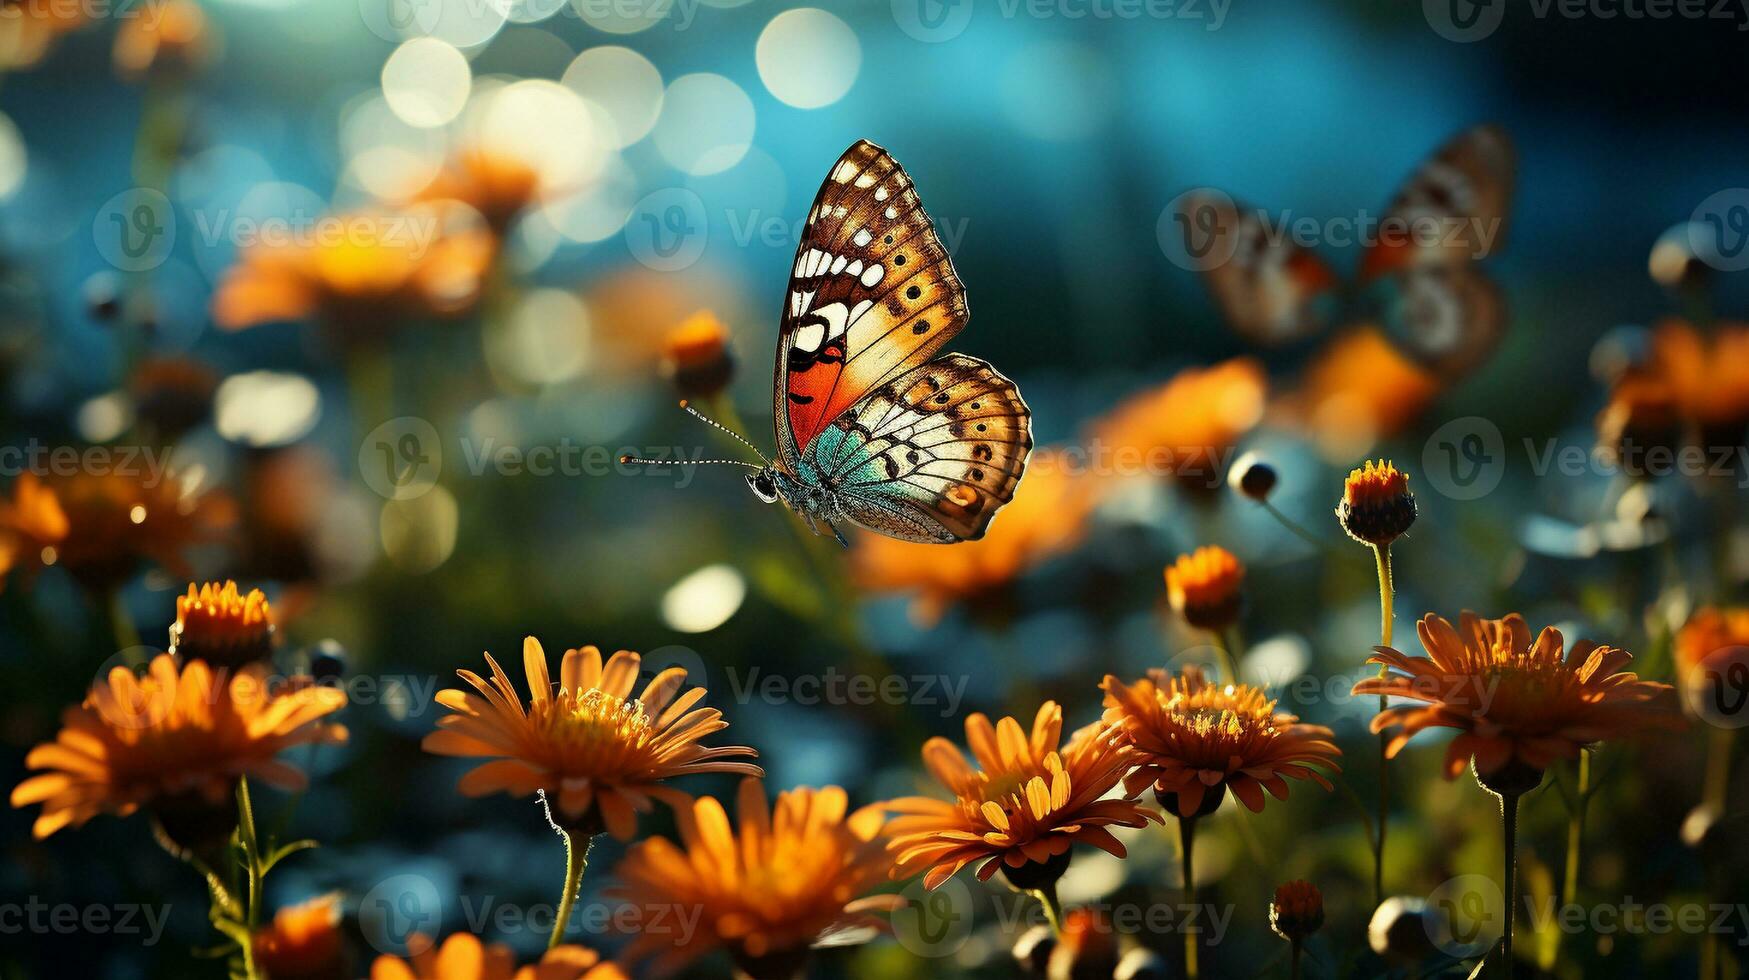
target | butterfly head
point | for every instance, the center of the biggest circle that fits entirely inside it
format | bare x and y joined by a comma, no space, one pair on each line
763,484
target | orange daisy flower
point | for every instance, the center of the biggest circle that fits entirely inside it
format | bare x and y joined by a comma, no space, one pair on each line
101,526
1360,389
1046,518
222,626
1376,506
598,754
1708,374
1711,631
464,957
302,942
795,874
174,735
1188,426
498,185
388,267
1203,587
1297,910
1194,741
1512,698
1024,805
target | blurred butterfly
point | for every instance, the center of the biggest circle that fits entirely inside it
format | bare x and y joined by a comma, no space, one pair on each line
1419,279
872,429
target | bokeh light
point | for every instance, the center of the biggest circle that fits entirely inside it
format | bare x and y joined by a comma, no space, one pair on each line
706,124
808,57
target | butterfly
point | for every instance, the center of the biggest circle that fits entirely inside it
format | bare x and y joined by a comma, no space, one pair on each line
1419,278
872,428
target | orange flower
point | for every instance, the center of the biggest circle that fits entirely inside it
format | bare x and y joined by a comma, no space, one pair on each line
171,735
1512,699
1376,506
464,957
1186,427
1297,910
796,874
695,356
172,394
302,942
29,28
1203,587
498,185
1358,390
1642,414
598,754
173,38
100,526
1195,741
1046,517
1023,807
380,269
222,626
1707,374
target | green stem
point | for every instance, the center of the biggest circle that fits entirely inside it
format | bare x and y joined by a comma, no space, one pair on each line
1718,773
1186,847
1509,827
1053,906
1231,648
1294,961
576,861
252,855
1576,831
1293,526
121,622
1387,593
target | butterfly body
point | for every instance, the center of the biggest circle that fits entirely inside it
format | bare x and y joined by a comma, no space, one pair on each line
872,428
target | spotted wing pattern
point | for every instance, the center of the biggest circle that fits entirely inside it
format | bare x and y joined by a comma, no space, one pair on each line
1450,318
1270,289
872,294
1456,204
929,456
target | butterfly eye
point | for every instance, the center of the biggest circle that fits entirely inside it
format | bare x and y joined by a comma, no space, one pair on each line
763,486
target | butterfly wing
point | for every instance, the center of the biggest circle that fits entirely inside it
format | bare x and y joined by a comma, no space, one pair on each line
1271,290
1450,318
930,455
1452,210
872,295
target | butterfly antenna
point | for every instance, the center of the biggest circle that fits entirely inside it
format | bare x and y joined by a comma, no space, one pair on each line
713,423
683,461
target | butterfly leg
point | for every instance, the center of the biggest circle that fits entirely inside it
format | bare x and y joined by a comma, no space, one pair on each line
838,534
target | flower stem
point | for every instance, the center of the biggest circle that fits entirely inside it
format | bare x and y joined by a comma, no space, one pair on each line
1053,906
1386,595
1576,831
1294,961
576,862
1187,842
1231,648
1509,827
1718,773
1293,526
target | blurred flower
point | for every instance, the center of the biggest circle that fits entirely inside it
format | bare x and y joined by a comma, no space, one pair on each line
1358,390
1711,631
1376,506
172,39
1046,517
1297,910
1023,807
1252,477
1195,740
695,356
1402,930
303,942
173,735
222,626
1187,426
1203,587
29,28
464,957
1705,375
378,271
287,499
1512,699
101,525
796,874
598,754
1088,948
172,394
498,185
1673,263
1642,415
